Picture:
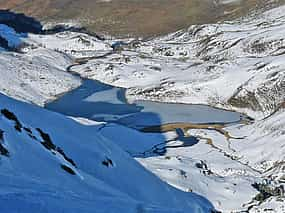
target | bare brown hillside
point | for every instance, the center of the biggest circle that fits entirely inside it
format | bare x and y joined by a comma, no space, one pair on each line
135,17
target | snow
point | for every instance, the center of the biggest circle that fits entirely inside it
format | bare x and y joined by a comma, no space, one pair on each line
9,34
235,164
34,180
37,76
73,43
205,64
94,100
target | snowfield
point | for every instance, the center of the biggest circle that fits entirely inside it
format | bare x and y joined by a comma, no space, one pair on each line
72,43
47,157
34,74
224,170
53,163
37,76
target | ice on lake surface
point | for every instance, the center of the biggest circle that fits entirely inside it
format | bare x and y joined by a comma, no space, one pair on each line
102,102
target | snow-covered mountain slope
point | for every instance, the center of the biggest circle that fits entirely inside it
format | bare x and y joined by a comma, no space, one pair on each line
35,75
53,163
225,170
37,71
72,43
264,147
237,65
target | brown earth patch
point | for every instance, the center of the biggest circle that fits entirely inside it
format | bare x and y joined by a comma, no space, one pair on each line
135,17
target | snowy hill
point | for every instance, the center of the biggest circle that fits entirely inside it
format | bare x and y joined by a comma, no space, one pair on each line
36,76
237,65
53,163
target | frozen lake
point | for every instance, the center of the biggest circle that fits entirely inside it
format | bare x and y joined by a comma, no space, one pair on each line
102,102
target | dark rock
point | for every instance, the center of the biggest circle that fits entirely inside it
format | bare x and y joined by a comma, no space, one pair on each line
107,162
4,43
64,28
65,156
11,116
67,169
3,150
266,191
47,143
28,130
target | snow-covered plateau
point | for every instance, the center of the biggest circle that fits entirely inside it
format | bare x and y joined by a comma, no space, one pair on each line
50,162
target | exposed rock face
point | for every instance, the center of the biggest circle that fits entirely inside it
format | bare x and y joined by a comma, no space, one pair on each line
267,97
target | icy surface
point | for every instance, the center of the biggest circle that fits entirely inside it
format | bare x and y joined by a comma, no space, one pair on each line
98,101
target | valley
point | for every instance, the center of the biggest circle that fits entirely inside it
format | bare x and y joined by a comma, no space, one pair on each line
186,121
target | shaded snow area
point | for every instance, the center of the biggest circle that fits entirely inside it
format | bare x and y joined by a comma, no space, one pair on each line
225,170
8,34
50,163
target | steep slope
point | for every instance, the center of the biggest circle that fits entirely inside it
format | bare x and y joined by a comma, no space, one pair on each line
60,164
35,77
51,162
